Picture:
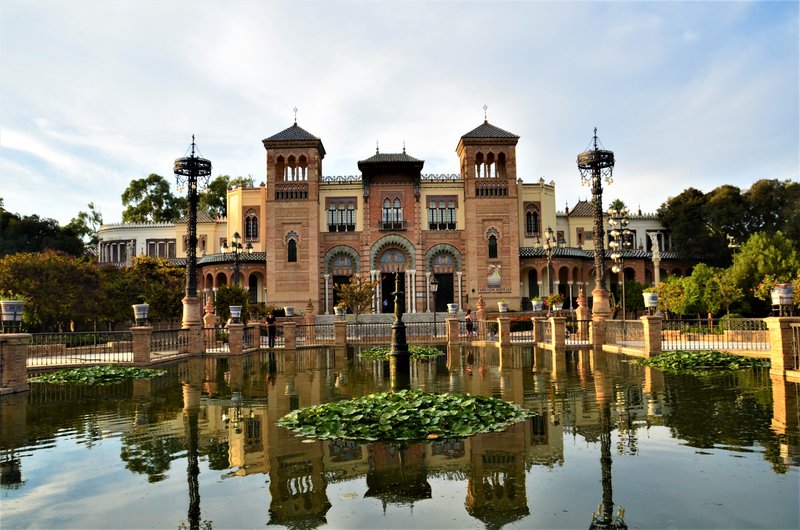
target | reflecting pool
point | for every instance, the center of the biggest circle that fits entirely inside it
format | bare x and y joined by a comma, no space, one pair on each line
611,442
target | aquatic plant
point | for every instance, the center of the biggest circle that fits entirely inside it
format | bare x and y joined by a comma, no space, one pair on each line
407,415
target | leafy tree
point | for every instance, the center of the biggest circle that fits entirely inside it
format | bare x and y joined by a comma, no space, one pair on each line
672,295
773,206
85,226
617,204
760,256
726,212
149,200
634,303
59,289
228,295
158,283
692,237
721,292
214,199
357,293
35,234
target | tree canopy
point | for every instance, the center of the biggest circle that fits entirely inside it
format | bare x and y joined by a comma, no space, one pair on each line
150,200
32,233
700,223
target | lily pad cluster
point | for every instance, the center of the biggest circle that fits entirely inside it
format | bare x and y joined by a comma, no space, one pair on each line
407,415
382,353
96,375
708,360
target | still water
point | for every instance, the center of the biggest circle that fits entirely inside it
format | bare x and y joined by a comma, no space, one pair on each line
198,448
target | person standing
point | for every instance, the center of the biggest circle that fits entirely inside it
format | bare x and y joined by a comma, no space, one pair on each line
470,324
271,329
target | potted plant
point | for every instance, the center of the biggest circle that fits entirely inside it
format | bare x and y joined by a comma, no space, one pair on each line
452,308
502,306
340,309
650,295
555,301
288,310
140,311
537,302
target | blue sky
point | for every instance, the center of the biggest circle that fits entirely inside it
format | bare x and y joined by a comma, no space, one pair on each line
97,93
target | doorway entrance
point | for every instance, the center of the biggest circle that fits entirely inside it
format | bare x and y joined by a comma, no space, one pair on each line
445,293
387,288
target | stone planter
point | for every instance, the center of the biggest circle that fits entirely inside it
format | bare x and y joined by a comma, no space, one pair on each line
452,308
782,294
12,310
650,300
558,307
289,310
140,312
339,312
502,307
537,305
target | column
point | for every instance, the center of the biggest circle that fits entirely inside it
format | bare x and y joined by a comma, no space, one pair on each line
407,294
428,292
414,291
14,358
569,293
327,294
460,298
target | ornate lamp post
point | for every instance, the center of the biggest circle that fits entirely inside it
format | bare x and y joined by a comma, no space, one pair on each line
550,243
187,172
434,290
594,165
237,250
619,236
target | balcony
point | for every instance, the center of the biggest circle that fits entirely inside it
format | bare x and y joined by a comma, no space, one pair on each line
391,226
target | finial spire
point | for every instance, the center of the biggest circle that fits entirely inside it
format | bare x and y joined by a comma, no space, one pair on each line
485,119
376,147
595,138
404,147
295,115
193,145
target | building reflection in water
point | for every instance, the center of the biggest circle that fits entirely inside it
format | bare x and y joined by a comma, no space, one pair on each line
230,406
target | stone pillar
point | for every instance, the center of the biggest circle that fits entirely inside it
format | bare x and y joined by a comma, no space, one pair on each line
289,335
460,298
452,330
235,338
504,331
327,293
652,335
141,344
597,332
340,332
536,329
780,343
558,332
14,352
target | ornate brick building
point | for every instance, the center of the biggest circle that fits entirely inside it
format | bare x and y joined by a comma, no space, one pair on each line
477,232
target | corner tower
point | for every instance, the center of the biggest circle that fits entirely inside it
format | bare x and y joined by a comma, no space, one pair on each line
294,169
488,162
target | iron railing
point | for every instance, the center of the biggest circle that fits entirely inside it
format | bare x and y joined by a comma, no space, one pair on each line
314,334
724,334
69,349
250,338
578,331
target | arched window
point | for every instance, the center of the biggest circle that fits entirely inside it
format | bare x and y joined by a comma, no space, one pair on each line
387,211
291,252
251,226
492,246
398,211
531,222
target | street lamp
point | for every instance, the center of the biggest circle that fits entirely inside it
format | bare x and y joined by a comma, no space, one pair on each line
187,172
236,249
619,240
434,289
549,245
594,165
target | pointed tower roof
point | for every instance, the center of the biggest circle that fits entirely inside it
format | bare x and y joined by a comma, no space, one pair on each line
295,133
487,130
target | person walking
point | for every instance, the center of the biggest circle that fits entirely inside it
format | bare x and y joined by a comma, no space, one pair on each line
271,329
